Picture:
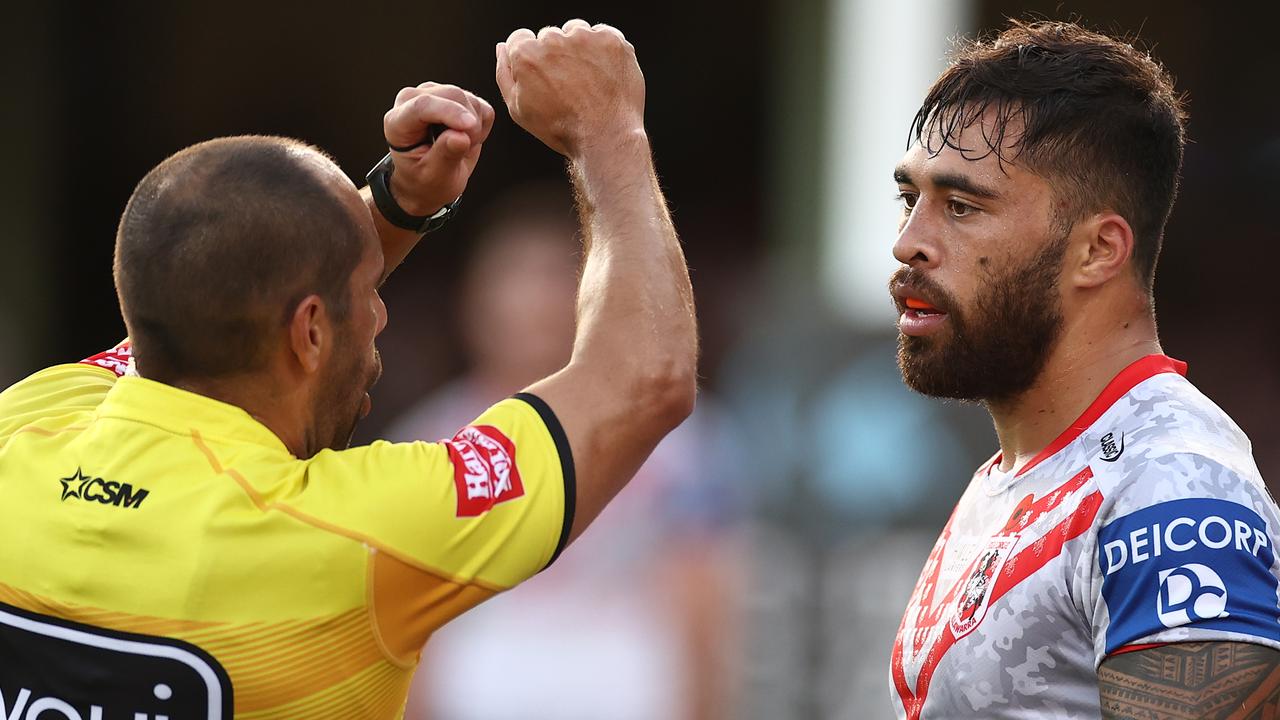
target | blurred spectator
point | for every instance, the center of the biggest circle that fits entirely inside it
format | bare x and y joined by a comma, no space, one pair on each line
635,620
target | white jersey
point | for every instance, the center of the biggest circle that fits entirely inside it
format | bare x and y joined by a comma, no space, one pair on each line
1146,522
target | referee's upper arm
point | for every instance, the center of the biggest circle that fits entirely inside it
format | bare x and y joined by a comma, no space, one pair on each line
611,428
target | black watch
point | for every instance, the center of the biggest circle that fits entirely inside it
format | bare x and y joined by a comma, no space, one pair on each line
379,179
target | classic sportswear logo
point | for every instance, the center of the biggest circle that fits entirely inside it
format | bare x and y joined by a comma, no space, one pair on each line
1110,451
1190,592
107,492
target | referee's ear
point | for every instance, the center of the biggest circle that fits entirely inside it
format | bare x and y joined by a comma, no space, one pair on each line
309,332
1101,249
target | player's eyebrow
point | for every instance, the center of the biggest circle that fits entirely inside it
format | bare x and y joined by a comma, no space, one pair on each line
948,181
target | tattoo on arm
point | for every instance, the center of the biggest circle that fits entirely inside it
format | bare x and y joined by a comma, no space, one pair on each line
1219,680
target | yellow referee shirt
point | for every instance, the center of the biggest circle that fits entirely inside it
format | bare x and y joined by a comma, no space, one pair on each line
163,555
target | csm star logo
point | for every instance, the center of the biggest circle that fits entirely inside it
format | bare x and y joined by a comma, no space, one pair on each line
71,486
107,492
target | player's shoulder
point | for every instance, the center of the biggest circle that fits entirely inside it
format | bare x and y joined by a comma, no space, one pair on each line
1170,408
1175,456
1187,529
1166,435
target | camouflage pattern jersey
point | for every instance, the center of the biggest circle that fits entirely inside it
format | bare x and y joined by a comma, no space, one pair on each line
1146,522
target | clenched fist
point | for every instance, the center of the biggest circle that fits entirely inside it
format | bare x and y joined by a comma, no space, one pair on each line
572,87
430,175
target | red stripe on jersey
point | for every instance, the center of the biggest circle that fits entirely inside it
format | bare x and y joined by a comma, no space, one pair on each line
1143,369
1039,553
116,359
922,596
988,466
1019,568
1135,648
1026,514
910,703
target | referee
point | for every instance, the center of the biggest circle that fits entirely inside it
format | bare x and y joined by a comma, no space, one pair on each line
185,532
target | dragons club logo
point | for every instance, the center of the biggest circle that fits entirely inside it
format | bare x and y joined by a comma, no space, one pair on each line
971,605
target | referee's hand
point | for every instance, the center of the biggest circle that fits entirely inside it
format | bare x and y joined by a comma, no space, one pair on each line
431,175
573,87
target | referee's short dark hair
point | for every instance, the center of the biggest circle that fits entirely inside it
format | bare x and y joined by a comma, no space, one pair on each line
216,247
1099,119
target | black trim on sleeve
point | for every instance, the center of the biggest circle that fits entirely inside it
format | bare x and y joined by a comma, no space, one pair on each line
566,466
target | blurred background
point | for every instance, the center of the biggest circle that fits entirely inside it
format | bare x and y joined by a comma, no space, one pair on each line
759,566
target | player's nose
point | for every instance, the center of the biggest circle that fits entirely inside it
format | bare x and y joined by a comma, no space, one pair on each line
917,244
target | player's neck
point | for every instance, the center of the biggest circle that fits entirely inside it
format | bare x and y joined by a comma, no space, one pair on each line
1087,356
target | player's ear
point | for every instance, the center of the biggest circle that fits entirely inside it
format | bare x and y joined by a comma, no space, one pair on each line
308,332
1102,248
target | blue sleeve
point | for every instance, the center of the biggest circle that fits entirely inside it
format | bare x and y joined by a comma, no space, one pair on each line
1187,556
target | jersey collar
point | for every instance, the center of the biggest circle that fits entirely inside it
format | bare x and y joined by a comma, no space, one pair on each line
182,412
1129,378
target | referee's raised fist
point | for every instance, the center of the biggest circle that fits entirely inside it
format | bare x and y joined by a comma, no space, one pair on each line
432,171
573,87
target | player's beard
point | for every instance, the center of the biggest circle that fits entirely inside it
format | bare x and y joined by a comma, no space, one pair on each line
994,350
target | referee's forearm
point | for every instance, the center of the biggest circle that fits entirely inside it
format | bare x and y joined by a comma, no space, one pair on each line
636,317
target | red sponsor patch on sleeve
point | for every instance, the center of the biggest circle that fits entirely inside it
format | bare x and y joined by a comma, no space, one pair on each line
484,469
116,359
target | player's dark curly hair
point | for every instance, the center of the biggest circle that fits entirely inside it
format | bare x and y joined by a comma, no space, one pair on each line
218,245
1097,118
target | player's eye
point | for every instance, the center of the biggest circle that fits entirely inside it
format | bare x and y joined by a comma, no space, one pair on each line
908,200
960,209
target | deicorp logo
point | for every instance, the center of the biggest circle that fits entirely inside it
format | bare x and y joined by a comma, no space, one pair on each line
1198,562
108,492
1190,592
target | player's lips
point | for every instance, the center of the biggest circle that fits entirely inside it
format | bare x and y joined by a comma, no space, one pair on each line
918,316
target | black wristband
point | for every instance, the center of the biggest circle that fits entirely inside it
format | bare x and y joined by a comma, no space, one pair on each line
379,179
